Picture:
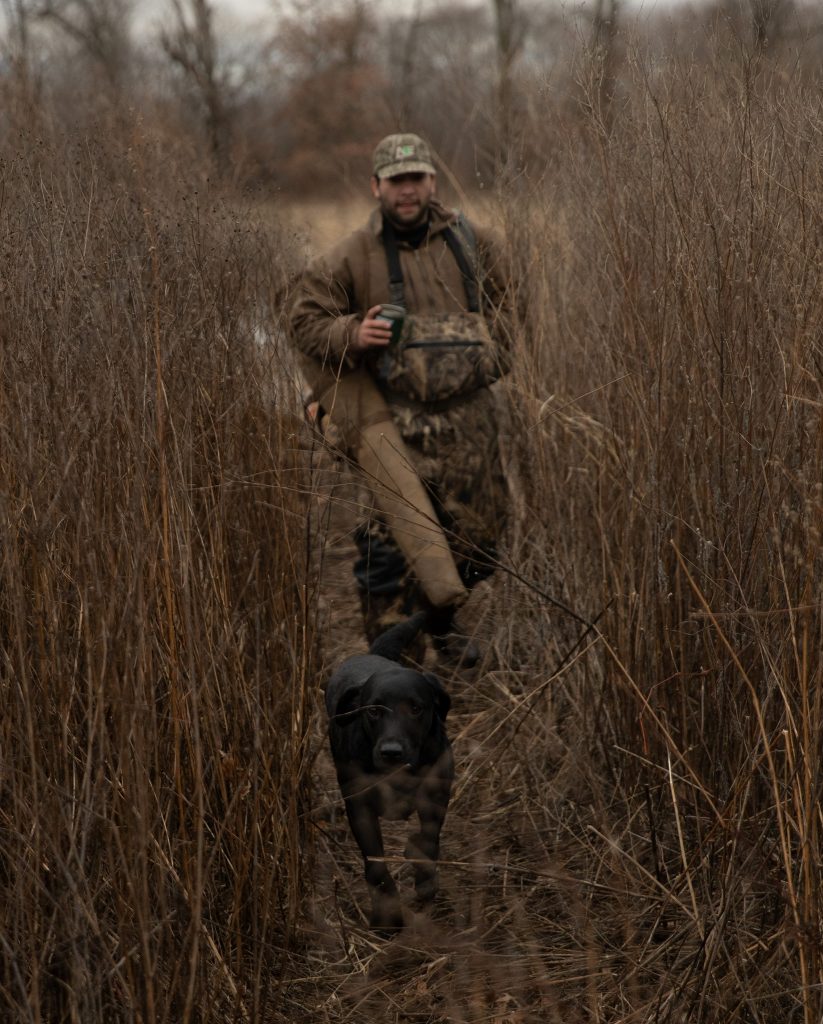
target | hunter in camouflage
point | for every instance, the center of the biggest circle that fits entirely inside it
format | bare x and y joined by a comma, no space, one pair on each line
432,384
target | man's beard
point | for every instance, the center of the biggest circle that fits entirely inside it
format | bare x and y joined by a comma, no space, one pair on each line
421,216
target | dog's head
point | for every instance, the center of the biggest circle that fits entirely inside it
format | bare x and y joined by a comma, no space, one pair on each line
399,710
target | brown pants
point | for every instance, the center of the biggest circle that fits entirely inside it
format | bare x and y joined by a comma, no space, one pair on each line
457,456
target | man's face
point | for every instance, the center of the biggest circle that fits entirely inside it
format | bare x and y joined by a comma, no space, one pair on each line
405,197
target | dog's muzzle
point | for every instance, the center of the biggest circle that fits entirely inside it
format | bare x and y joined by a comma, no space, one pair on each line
391,753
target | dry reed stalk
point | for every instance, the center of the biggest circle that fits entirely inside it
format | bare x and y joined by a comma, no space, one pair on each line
635,834
158,656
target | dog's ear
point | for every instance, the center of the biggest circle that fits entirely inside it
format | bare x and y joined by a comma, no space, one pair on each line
343,709
442,701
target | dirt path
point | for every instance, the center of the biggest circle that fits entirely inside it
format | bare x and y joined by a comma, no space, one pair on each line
506,934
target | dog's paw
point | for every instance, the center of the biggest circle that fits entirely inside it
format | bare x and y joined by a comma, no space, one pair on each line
425,889
386,917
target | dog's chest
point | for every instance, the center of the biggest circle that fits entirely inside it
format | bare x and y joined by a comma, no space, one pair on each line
398,797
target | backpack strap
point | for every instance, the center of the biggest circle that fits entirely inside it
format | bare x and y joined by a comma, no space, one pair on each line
468,272
467,235
397,292
458,246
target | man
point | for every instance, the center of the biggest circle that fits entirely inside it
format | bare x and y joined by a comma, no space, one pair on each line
432,377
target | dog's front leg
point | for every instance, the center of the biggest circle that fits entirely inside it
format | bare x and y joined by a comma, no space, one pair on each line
423,848
386,914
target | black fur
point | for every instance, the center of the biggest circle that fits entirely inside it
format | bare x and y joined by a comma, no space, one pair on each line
394,641
393,758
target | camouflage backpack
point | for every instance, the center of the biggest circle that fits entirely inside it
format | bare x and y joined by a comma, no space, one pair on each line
439,356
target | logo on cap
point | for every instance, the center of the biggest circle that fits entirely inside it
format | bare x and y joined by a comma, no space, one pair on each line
398,154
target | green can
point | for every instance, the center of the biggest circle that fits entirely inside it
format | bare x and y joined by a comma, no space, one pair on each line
394,315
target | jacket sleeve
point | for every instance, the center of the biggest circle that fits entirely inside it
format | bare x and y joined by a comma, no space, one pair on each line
497,286
324,316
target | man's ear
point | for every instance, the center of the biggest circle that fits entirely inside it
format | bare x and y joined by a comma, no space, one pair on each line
375,186
442,701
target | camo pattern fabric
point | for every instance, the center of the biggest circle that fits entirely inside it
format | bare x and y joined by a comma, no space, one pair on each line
440,356
457,454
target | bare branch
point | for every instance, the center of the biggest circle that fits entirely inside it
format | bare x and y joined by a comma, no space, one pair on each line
192,46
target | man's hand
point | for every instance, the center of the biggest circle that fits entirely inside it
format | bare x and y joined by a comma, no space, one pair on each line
372,333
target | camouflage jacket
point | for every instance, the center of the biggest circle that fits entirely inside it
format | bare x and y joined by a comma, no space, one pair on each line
338,289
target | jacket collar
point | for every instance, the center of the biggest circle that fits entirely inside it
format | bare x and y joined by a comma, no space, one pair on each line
441,217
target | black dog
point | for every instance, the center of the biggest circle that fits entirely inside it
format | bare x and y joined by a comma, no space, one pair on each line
392,758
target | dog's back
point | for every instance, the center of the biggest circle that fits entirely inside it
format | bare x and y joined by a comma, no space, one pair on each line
396,640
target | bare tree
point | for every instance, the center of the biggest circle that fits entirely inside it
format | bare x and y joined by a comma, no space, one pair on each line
509,36
440,63
769,18
604,46
765,24
99,27
17,44
407,74
337,99
192,46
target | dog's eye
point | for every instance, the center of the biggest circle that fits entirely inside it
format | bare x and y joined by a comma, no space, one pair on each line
374,711
415,710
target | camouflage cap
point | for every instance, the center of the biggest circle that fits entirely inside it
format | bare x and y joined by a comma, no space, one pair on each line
402,154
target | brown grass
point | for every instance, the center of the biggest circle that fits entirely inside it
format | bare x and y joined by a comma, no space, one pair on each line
636,836
156,617
635,833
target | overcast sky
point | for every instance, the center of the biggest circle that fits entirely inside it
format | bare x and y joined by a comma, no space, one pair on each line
245,13
242,12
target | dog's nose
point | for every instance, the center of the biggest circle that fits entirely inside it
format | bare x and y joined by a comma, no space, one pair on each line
391,751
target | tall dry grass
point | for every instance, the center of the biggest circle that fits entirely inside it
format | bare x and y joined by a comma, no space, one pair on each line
668,423
155,608
634,834
635,829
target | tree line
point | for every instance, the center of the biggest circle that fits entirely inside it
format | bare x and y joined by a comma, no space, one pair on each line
300,104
